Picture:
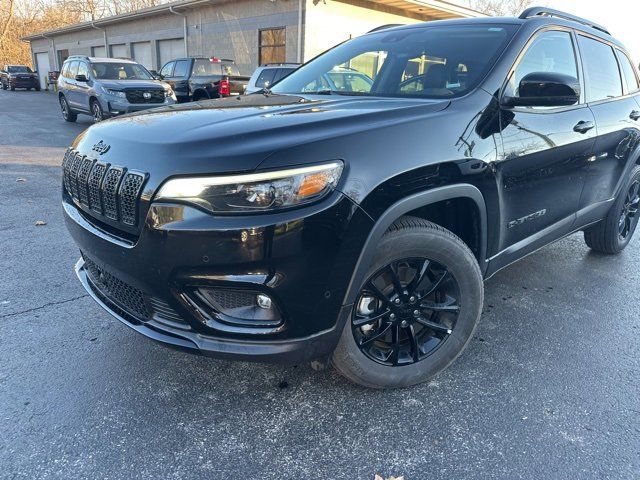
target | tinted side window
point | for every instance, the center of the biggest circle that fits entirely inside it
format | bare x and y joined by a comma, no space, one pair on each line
181,68
282,72
549,52
628,73
167,69
602,77
266,77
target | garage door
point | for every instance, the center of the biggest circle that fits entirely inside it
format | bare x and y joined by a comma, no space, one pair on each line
141,53
43,67
98,52
170,50
119,51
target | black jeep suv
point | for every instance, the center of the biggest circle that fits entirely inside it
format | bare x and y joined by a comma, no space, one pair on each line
304,222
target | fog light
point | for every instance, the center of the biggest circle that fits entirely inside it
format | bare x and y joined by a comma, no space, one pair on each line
239,307
264,301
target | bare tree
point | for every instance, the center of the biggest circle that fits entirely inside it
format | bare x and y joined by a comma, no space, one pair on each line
19,18
500,8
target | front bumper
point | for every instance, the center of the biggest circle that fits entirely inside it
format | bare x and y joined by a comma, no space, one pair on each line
284,351
119,107
303,259
24,82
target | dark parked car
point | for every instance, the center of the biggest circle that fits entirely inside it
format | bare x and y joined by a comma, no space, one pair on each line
19,76
106,87
195,79
298,224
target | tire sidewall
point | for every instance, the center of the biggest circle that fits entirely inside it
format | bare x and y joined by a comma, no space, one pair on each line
440,247
617,210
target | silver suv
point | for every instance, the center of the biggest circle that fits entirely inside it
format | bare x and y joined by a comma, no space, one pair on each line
105,87
266,75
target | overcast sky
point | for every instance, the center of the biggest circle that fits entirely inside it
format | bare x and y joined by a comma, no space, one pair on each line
621,17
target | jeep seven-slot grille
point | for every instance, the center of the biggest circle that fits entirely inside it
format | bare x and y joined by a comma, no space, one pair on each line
108,191
145,96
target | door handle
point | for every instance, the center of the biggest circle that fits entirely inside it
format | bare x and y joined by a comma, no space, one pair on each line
635,115
583,127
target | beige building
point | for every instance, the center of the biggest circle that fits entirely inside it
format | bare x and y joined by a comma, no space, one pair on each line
251,32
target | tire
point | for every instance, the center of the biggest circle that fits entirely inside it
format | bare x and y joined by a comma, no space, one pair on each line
446,261
13,89
67,113
612,235
28,89
96,111
4,86
37,89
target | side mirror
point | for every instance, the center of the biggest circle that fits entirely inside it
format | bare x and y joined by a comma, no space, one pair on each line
81,78
545,89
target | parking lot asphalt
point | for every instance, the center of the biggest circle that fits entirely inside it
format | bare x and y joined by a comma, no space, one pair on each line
547,389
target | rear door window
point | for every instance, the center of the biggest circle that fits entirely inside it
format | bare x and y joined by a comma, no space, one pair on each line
602,76
628,73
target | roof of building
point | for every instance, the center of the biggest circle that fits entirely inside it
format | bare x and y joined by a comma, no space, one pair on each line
434,9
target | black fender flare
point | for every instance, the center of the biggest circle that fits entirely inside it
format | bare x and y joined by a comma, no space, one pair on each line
405,206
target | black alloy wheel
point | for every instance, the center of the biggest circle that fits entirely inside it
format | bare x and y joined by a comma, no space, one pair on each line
629,215
406,311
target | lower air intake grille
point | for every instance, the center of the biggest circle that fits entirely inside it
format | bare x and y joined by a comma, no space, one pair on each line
127,297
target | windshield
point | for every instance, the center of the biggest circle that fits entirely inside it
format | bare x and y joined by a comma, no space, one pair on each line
19,69
120,71
430,62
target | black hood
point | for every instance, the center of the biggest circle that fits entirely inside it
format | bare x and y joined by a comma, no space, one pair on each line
238,133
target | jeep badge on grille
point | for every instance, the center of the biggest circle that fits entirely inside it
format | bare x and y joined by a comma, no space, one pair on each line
146,95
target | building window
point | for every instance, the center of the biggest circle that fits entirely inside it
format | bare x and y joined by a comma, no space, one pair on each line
62,56
273,46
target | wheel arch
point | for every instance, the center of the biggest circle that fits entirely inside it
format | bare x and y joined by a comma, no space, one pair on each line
200,94
410,204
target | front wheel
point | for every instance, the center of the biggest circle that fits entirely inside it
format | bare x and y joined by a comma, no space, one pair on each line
416,311
67,114
96,111
614,233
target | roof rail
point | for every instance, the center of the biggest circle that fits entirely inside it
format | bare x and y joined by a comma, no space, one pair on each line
84,57
384,27
549,12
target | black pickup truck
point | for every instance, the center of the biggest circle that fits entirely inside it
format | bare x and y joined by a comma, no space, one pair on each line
196,78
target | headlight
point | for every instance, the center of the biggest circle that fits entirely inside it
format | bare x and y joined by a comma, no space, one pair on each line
256,192
115,93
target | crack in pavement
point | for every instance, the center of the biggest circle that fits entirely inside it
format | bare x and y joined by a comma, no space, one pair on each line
50,304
